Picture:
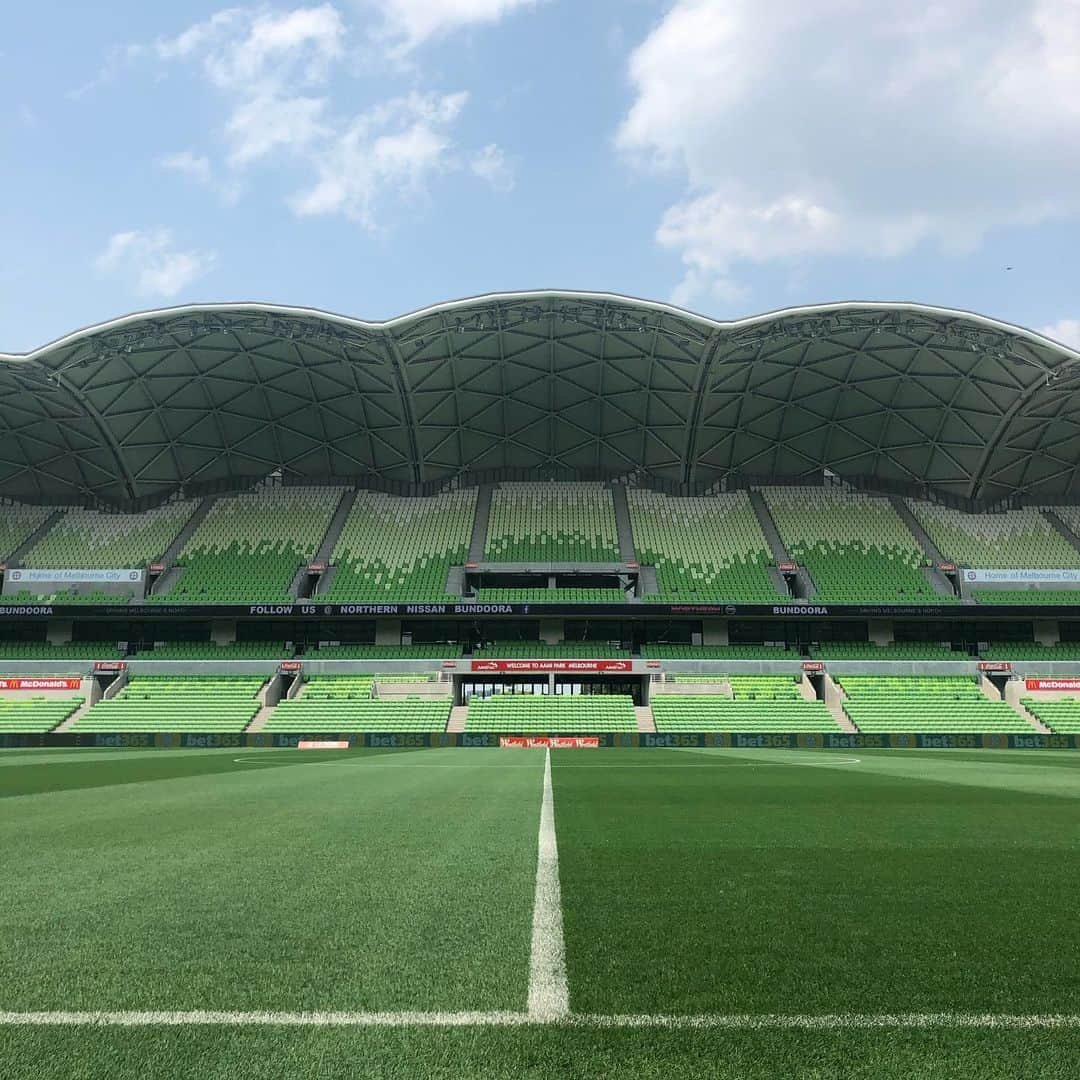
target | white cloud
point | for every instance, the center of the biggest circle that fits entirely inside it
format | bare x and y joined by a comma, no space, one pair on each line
1067,331
849,127
149,260
196,166
490,164
392,149
410,23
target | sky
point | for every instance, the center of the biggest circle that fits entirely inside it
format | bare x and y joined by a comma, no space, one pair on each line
372,157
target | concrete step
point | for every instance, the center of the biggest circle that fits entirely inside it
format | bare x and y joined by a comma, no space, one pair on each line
623,524
645,721
172,552
478,541
1013,689
834,699
937,581
261,717
337,523
457,718
88,690
17,556
778,580
167,581
768,527
929,548
1061,528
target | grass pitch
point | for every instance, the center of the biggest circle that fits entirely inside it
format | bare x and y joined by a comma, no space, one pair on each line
768,883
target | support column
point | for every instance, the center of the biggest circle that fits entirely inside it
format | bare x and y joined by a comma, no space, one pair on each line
714,632
387,631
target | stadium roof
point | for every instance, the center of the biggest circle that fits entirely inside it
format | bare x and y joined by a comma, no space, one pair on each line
560,382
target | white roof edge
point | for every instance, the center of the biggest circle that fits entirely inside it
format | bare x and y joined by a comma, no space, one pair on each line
524,294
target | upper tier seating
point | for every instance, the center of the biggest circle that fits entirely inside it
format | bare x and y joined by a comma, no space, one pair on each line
705,550
1015,540
1031,650
34,715
337,704
866,650
384,652
249,547
546,522
210,703
538,650
761,703
925,703
17,523
207,650
42,650
664,651
548,714
397,549
855,546
1062,716
89,540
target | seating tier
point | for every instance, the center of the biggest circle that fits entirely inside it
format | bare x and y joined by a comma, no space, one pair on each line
547,714
549,522
1062,716
35,715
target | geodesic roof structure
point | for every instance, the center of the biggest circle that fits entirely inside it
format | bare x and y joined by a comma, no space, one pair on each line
557,382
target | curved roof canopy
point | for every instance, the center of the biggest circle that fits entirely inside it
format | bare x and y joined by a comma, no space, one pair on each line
554,381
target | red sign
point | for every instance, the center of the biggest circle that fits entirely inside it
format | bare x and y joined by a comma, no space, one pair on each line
322,744
290,665
632,566
110,665
813,665
316,567
157,568
787,567
948,567
551,665
553,742
995,665
471,565
652,663
1052,684
40,684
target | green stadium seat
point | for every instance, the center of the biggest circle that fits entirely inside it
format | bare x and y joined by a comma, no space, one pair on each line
551,522
339,704
551,714
35,715
1061,716
760,704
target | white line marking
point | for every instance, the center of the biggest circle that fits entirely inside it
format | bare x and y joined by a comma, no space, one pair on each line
736,1021
549,995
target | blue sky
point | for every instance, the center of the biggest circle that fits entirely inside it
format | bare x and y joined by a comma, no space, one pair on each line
371,157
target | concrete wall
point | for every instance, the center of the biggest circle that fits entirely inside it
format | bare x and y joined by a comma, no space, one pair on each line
387,631
714,632
223,631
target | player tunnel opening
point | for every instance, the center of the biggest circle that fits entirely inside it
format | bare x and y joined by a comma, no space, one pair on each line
469,686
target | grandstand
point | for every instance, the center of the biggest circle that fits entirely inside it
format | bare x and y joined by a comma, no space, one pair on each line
930,703
855,546
18,523
394,548
1061,716
704,549
36,714
250,546
546,714
759,704
542,523
343,704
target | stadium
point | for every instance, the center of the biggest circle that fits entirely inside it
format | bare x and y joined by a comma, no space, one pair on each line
544,683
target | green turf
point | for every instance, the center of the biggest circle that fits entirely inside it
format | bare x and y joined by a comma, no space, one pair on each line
762,883
734,881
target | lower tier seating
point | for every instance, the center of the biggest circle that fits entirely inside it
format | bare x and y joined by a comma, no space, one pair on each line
33,715
1062,716
664,651
538,650
1033,597
1031,650
549,596
546,714
96,597
207,650
761,704
383,652
925,703
211,703
343,703
42,650
865,650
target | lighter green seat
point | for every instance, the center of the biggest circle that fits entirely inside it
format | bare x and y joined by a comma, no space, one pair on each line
576,714
35,715
552,522
1062,716
342,703
760,706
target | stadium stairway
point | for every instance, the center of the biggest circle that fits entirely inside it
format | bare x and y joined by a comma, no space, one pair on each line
834,696
260,718
1061,528
89,686
623,525
645,721
804,582
184,535
1014,692
16,557
937,580
478,540
458,715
